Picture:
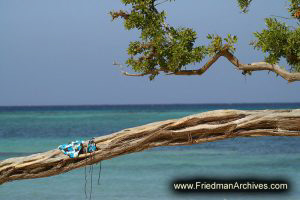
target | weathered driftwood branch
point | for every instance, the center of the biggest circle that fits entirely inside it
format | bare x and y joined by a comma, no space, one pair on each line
195,129
246,68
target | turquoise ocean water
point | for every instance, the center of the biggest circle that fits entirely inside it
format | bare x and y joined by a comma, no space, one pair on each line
145,175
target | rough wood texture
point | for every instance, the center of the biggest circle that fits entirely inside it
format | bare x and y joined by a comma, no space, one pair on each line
194,129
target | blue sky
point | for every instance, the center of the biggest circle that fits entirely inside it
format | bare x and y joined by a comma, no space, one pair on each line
56,52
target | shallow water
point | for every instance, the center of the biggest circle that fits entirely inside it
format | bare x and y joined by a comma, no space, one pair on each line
143,175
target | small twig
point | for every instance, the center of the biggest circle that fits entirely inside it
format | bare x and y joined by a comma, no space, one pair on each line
161,2
289,18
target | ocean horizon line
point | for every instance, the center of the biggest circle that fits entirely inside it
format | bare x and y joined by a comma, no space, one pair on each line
144,104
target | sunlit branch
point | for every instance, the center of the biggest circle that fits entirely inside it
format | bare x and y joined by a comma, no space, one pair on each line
261,66
246,68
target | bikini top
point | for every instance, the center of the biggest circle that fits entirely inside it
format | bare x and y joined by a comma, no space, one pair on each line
73,149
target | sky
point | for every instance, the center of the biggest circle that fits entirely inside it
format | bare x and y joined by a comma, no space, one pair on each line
60,52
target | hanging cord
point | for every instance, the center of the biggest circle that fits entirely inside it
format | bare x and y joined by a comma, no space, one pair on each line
85,180
91,148
91,170
88,160
100,169
92,160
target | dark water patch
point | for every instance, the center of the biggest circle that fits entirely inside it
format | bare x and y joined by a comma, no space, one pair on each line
152,107
246,146
93,121
15,154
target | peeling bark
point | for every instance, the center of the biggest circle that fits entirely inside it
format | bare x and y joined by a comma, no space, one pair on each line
195,129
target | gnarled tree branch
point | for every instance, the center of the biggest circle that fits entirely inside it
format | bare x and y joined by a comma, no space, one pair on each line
195,129
258,66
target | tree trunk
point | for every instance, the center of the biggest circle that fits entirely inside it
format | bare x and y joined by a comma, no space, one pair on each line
200,128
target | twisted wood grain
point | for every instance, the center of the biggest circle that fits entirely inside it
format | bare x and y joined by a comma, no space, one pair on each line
195,129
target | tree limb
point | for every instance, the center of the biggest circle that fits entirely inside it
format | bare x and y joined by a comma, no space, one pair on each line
195,129
258,66
128,74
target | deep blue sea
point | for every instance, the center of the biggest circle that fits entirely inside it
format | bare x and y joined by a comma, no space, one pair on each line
144,175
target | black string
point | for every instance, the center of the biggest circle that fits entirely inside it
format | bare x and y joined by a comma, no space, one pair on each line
90,165
85,178
92,158
91,182
91,169
100,168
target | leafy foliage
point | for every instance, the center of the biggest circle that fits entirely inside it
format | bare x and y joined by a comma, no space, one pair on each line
217,45
164,48
244,5
280,40
294,8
